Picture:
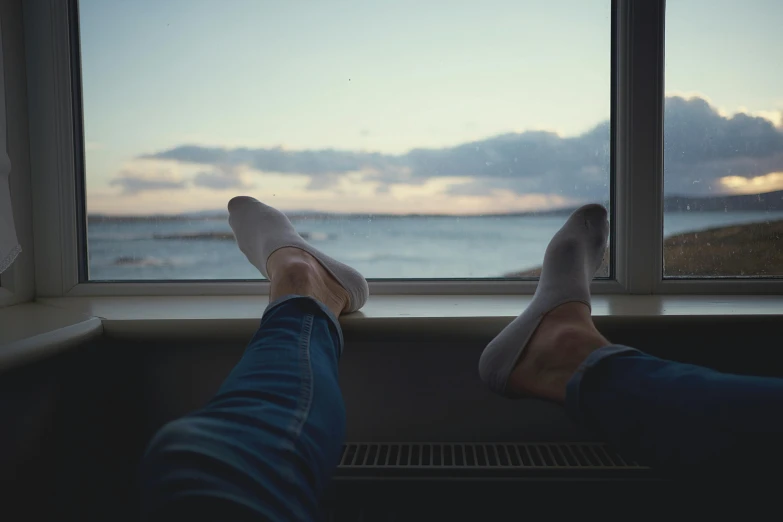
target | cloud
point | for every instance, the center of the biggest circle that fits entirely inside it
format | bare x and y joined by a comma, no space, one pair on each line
528,162
695,132
776,117
134,183
310,162
759,184
223,177
703,146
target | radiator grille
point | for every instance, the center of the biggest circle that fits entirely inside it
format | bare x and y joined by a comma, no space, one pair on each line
477,456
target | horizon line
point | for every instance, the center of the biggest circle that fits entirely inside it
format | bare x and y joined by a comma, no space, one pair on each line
220,213
214,213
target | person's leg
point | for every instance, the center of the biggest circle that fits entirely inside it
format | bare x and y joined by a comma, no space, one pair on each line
266,444
670,415
679,417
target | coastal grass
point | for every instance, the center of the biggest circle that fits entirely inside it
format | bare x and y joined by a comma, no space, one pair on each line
753,249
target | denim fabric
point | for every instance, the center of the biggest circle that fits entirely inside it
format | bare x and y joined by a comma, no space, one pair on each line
678,417
266,445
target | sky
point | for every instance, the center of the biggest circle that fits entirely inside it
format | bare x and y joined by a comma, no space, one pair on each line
442,106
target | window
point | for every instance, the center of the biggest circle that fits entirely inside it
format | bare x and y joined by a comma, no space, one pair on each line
723,139
408,139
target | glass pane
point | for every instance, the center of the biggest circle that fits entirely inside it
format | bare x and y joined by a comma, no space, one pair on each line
409,139
723,136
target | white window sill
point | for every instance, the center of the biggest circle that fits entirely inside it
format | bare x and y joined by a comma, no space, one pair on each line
234,316
32,331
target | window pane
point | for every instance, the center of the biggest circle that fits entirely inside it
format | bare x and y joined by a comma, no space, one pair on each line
723,137
432,139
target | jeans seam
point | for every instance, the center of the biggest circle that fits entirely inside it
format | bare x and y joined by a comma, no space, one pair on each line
304,403
306,371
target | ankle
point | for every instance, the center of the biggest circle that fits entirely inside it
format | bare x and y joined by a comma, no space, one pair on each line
575,342
296,275
563,340
293,271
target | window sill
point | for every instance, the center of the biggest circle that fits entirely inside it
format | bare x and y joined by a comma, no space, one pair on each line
33,331
211,317
37,330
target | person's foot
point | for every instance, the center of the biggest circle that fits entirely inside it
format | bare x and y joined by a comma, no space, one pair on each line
293,271
538,351
272,245
563,339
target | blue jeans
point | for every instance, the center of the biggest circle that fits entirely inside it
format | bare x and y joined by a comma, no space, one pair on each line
680,418
266,445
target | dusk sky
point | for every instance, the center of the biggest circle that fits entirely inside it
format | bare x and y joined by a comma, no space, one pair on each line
409,106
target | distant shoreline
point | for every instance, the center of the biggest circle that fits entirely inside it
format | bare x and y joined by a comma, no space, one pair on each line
754,249
765,202
102,218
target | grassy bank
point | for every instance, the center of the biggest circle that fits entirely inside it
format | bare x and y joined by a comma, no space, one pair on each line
755,249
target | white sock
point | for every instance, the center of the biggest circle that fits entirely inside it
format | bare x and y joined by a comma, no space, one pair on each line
261,230
570,262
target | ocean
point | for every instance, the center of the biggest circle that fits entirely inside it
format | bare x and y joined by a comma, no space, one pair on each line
379,247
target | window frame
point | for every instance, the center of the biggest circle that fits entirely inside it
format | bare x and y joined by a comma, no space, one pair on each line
56,146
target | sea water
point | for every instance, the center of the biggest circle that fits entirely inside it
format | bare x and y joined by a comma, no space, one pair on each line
379,247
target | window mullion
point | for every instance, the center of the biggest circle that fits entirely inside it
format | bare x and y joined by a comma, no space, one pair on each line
639,143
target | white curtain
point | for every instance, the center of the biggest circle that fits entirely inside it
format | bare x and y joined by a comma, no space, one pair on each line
9,245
